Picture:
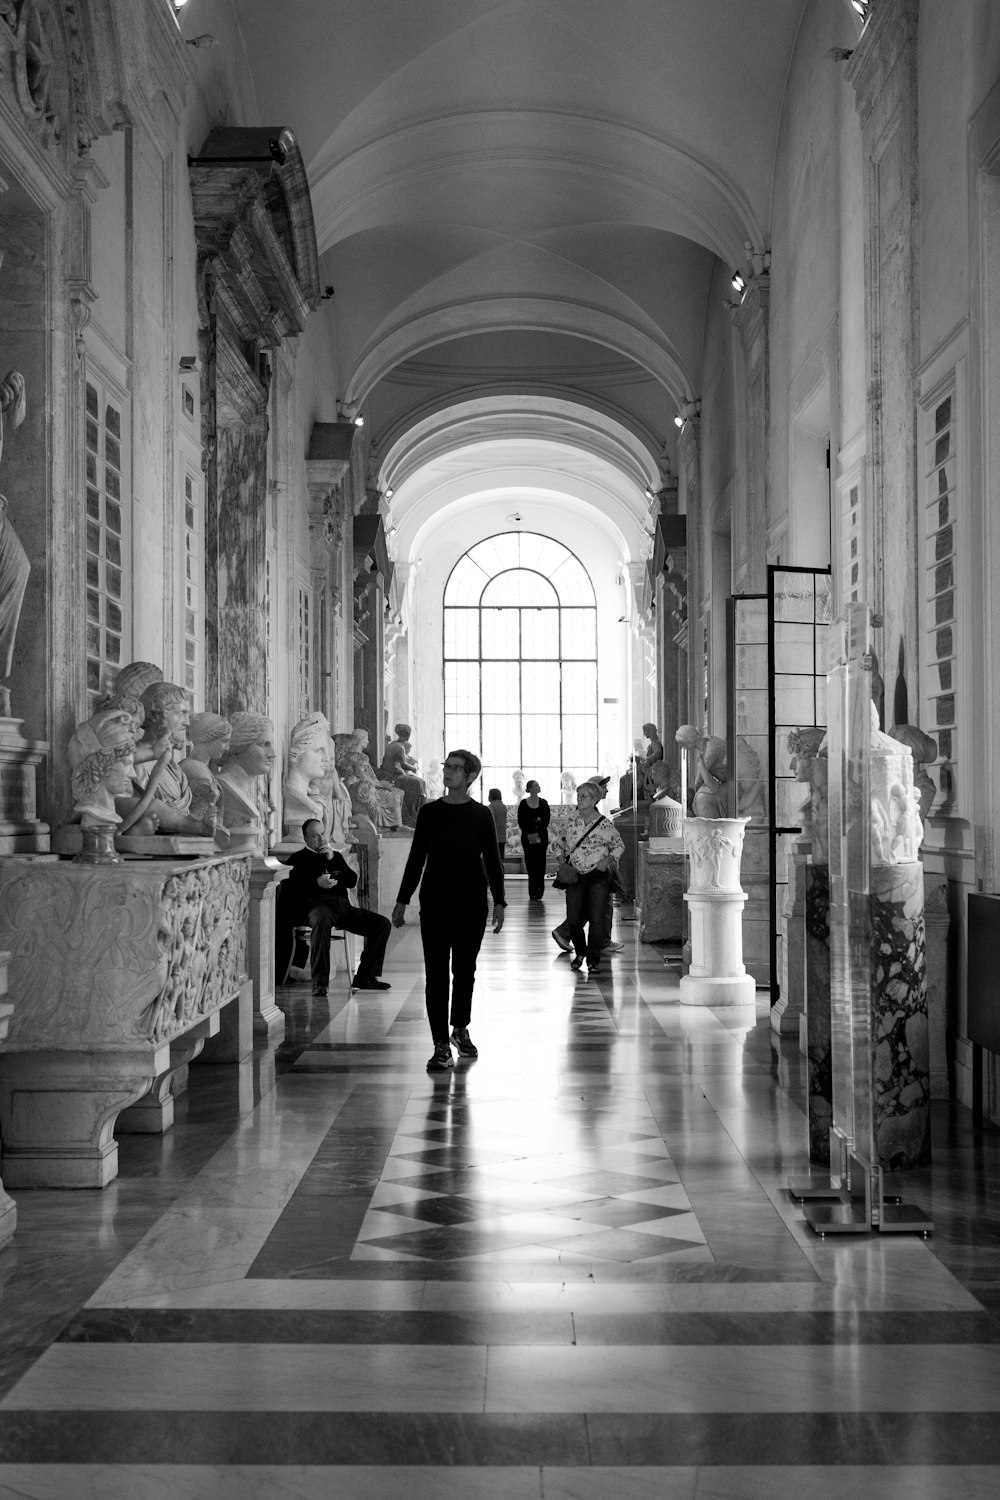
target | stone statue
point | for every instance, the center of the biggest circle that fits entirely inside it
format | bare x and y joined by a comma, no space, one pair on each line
711,776
371,798
896,829
518,783
250,756
751,790
209,736
654,753
925,752
307,764
338,810
435,780
567,787
14,565
101,758
159,784
665,812
399,769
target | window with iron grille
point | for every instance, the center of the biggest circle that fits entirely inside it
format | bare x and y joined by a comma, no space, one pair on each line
106,541
305,653
940,540
194,585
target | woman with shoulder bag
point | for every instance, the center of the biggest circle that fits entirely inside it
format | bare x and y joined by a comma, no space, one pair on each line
533,816
590,843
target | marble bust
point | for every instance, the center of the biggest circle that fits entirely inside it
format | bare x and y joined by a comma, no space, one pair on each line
249,757
209,736
307,764
101,758
159,784
132,681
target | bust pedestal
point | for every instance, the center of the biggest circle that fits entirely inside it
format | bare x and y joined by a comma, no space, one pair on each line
266,874
715,903
20,830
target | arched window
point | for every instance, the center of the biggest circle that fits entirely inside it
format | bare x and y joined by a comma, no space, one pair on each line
520,660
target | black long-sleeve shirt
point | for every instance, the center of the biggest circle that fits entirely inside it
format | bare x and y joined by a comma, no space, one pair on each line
455,851
533,819
301,890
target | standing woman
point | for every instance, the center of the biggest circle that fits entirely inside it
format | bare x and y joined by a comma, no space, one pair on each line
590,842
455,851
533,820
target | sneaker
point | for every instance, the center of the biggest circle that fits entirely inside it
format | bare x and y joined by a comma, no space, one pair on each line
564,943
319,989
371,984
461,1040
576,963
442,1059
614,947
593,968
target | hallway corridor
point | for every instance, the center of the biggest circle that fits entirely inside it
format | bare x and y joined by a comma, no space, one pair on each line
566,1271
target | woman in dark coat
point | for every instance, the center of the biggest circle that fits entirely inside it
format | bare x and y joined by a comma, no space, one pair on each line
533,821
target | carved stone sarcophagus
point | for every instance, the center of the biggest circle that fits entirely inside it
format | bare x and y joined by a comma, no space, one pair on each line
110,965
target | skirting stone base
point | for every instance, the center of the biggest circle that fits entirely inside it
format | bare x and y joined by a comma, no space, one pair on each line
740,990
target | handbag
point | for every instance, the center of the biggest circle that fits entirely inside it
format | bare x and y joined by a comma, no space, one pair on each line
566,872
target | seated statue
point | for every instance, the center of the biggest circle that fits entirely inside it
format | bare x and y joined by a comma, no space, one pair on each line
250,756
399,769
159,784
208,736
371,798
101,758
711,777
307,764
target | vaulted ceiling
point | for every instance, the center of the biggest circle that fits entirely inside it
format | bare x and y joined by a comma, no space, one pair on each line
526,198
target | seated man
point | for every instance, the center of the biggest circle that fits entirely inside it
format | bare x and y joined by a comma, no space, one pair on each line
316,893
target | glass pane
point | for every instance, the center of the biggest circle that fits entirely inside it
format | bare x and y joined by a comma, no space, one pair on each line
579,687
93,404
113,452
579,632
540,632
93,538
94,640
113,616
113,420
93,605
751,622
113,485
112,648
501,635
501,687
540,739
113,548
539,687
461,632
93,503
93,676
114,581
113,517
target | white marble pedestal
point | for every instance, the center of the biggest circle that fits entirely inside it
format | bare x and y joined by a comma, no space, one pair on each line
715,903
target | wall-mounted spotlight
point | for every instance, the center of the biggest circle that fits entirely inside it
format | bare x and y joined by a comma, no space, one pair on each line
650,492
392,531
189,362
327,294
678,420
739,283
389,492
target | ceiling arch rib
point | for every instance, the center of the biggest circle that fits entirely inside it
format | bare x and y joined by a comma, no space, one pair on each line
530,420
531,170
468,314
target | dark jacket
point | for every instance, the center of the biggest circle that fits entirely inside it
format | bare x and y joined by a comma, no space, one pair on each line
533,820
300,891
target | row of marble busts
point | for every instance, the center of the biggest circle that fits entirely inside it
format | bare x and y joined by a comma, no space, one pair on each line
143,765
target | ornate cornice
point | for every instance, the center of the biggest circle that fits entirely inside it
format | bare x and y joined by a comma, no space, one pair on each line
253,222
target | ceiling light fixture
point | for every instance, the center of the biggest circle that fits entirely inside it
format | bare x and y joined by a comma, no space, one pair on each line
862,7
678,420
389,492
739,283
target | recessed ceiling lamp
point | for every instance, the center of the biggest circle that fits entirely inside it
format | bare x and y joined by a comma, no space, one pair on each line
862,7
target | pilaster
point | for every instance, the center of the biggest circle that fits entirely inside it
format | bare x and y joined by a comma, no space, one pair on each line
752,319
883,72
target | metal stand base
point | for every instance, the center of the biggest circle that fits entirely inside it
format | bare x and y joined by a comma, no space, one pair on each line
863,1206
817,1185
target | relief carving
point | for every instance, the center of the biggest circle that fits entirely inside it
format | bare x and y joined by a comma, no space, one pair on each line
203,929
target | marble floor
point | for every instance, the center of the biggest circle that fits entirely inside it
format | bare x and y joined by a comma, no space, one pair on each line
569,1270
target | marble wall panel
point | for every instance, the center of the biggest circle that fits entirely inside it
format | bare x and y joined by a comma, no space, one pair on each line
238,519
900,1063
818,1011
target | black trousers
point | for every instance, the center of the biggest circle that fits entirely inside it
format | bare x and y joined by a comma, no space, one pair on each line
450,939
534,864
587,901
323,917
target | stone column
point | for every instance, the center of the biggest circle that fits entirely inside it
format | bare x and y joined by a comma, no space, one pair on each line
715,903
690,707
8,1209
883,71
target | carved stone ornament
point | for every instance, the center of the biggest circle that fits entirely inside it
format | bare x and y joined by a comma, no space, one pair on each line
109,958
